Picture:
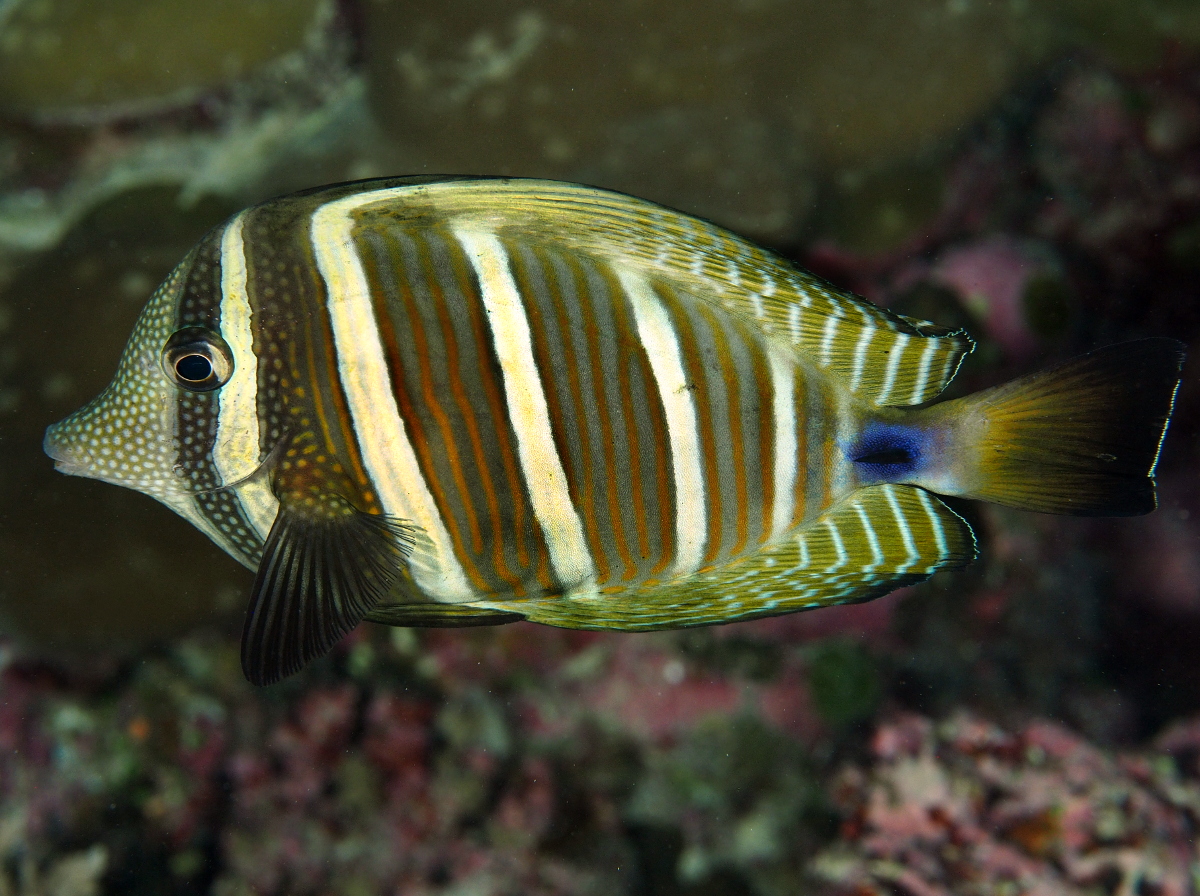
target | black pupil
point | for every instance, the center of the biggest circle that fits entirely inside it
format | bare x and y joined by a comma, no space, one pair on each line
194,368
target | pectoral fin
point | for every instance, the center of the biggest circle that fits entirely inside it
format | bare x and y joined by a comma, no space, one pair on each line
321,573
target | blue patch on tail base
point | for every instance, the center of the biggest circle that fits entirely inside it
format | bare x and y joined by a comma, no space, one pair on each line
886,452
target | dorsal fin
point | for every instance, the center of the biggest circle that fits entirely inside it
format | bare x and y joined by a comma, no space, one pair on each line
881,357
880,538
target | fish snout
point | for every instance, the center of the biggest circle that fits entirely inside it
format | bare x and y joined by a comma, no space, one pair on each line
66,451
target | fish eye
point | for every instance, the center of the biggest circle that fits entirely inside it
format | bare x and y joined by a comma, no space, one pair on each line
197,359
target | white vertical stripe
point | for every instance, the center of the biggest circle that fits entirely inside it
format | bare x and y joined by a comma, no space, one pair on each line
860,357
662,347
236,451
838,545
894,355
362,368
541,466
783,384
735,277
918,392
912,554
939,533
872,539
802,546
831,327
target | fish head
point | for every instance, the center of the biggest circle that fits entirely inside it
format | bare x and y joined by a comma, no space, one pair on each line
150,429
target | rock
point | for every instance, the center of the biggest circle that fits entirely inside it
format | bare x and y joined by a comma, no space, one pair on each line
75,59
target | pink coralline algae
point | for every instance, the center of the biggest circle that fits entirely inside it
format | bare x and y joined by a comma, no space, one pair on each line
964,807
993,279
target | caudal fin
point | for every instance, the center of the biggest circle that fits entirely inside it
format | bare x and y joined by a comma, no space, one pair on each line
1080,438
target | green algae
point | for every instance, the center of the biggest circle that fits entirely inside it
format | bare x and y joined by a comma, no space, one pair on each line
70,58
745,113
844,681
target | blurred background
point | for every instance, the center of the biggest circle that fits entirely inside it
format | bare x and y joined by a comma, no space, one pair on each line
1030,171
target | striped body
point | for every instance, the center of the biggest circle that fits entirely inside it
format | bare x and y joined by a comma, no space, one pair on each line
472,401
553,421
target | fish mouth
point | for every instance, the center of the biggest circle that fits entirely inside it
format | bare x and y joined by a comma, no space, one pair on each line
58,452
50,443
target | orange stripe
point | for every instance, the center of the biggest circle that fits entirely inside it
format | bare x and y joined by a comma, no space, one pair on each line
591,328
829,432
763,388
419,439
539,342
625,334
499,413
733,401
802,423
463,403
588,502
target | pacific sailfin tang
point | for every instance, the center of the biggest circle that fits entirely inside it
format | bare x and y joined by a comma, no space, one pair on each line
473,401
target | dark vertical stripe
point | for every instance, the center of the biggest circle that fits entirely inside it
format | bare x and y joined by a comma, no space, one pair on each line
634,503
763,391
387,260
603,375
803,424
557,365
330,406
732,424
821,448
654,501
532,554
582,434
449,359
300,394
197,414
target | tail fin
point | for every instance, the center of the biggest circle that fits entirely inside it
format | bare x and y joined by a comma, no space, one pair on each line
1081,438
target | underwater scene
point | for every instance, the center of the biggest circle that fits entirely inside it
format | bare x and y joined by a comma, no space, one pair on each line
808,503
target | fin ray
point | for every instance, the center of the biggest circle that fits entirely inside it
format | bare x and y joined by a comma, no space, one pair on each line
880,538
1081,438
431,615
319,576
883,358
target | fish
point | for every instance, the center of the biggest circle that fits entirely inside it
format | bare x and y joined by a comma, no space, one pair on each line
473,401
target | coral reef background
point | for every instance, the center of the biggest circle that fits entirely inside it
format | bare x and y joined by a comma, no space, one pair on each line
1028,725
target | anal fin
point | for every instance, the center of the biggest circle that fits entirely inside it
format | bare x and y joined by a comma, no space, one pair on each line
880,538
434,615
